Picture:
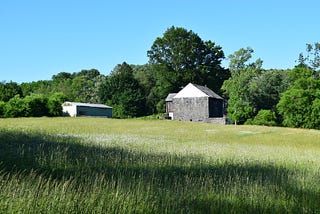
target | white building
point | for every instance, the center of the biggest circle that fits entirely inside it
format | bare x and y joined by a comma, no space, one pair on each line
74,109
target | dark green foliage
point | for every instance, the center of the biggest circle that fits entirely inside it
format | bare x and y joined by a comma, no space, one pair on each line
82,86
237,87
300,103
123,92
54,104
250,88
36,105
2,108
9,90
264,117
15,107
62,76
265,89
186,58
146,76
40,87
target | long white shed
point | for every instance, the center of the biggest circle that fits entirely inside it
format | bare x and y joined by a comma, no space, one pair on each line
75,109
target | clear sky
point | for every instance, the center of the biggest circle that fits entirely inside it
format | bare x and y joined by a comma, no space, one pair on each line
40,38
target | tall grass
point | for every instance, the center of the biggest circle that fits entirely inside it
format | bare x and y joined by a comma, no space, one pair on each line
86,165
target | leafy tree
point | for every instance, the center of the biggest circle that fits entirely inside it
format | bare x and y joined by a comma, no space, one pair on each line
39,87
15,107
123,92
88,74
9,90
312,59
300,103
82,86
148,76
55,102
187,58
266,88
300,72
36,105
61,76
240,104
264,117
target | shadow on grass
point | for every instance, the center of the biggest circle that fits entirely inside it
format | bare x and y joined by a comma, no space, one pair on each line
194,185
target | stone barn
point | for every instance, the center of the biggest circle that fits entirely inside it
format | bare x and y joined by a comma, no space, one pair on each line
74,109
196,103
169,105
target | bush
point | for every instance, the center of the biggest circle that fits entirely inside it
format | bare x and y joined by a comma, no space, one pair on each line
264,117
15,107
54,103
36,105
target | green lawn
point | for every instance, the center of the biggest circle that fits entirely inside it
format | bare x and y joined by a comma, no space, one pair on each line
94,165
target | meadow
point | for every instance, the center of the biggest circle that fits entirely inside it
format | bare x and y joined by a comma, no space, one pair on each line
95,165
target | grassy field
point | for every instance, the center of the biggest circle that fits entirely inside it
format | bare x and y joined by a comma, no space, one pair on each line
92,165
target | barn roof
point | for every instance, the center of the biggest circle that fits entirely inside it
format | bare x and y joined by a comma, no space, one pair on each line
85,105
170,97
194,90
207,91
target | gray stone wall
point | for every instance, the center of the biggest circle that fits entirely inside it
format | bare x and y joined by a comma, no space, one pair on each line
191,109
217,120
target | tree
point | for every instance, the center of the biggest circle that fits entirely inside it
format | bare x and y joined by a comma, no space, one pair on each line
266,88
37,87
240,104
15,107
36,105
9,90
123,92
312,59
264,117
145,75
54,104
61,76
187,59
299,105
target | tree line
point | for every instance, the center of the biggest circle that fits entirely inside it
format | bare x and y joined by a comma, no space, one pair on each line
254,95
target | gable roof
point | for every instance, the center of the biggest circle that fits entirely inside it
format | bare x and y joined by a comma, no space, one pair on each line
208,91
193,90
85,105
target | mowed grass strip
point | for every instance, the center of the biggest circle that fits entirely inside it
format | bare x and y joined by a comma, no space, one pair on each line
94,165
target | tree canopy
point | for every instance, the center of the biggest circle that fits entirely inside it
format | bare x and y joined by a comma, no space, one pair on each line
187,58
123,92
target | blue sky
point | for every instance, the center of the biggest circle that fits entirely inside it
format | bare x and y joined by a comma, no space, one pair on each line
40,38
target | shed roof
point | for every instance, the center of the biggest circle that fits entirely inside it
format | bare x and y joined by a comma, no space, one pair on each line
170,97
85,105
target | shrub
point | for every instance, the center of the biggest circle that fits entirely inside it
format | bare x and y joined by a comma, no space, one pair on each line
54,103
264,117
36,105
15,107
